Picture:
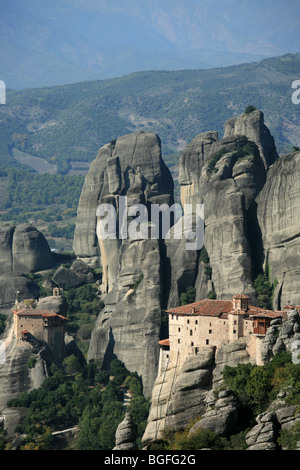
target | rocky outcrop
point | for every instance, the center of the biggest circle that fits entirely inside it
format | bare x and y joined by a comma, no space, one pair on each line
15,376
278,212
252,125
13,285
264,435
225,175
221,417
282,336
237,179
230,355
126,434
179,395
23,248
130,166
58,304
201,379
128,327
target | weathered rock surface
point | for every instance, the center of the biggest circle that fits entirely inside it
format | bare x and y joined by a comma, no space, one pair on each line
252,125
15,376
133,166
230,355
264,435
67,278
238,178
58,304
222,418
126,434
23,248
179,395
128,327
282,336
12,283
278,212
225,175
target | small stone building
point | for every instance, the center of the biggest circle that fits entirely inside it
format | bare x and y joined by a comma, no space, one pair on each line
40,324
213,323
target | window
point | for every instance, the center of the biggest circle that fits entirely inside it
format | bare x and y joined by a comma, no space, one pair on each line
188,321
234,331
178,341
207,341
196,322
210,332
178,329
191,332
192,344
234,322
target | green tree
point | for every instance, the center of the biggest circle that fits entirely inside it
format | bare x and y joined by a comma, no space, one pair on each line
188,297
250,109
72,364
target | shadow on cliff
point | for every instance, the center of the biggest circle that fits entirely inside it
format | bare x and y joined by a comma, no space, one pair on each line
109,355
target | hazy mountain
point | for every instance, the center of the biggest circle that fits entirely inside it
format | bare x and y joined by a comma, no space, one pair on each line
69,123
65,41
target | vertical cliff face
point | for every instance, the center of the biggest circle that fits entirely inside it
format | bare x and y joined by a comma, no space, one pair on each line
129,325
225,175
250,199
278,210
252,125
23,248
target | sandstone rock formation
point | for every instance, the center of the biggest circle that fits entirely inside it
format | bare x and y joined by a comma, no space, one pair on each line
132,166
278,212
128,327
282,336
15,376
179,395
126,434
182,394
264,435
238,178
23,248
57,304
225,175
13,285
221,417
252,125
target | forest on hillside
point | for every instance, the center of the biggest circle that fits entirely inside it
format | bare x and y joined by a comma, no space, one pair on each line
69,123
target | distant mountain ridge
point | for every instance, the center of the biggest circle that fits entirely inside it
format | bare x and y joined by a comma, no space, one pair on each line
50,43
69,123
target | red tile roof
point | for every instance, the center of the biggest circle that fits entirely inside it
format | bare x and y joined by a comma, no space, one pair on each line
219,308
209,307
37,312
260,312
